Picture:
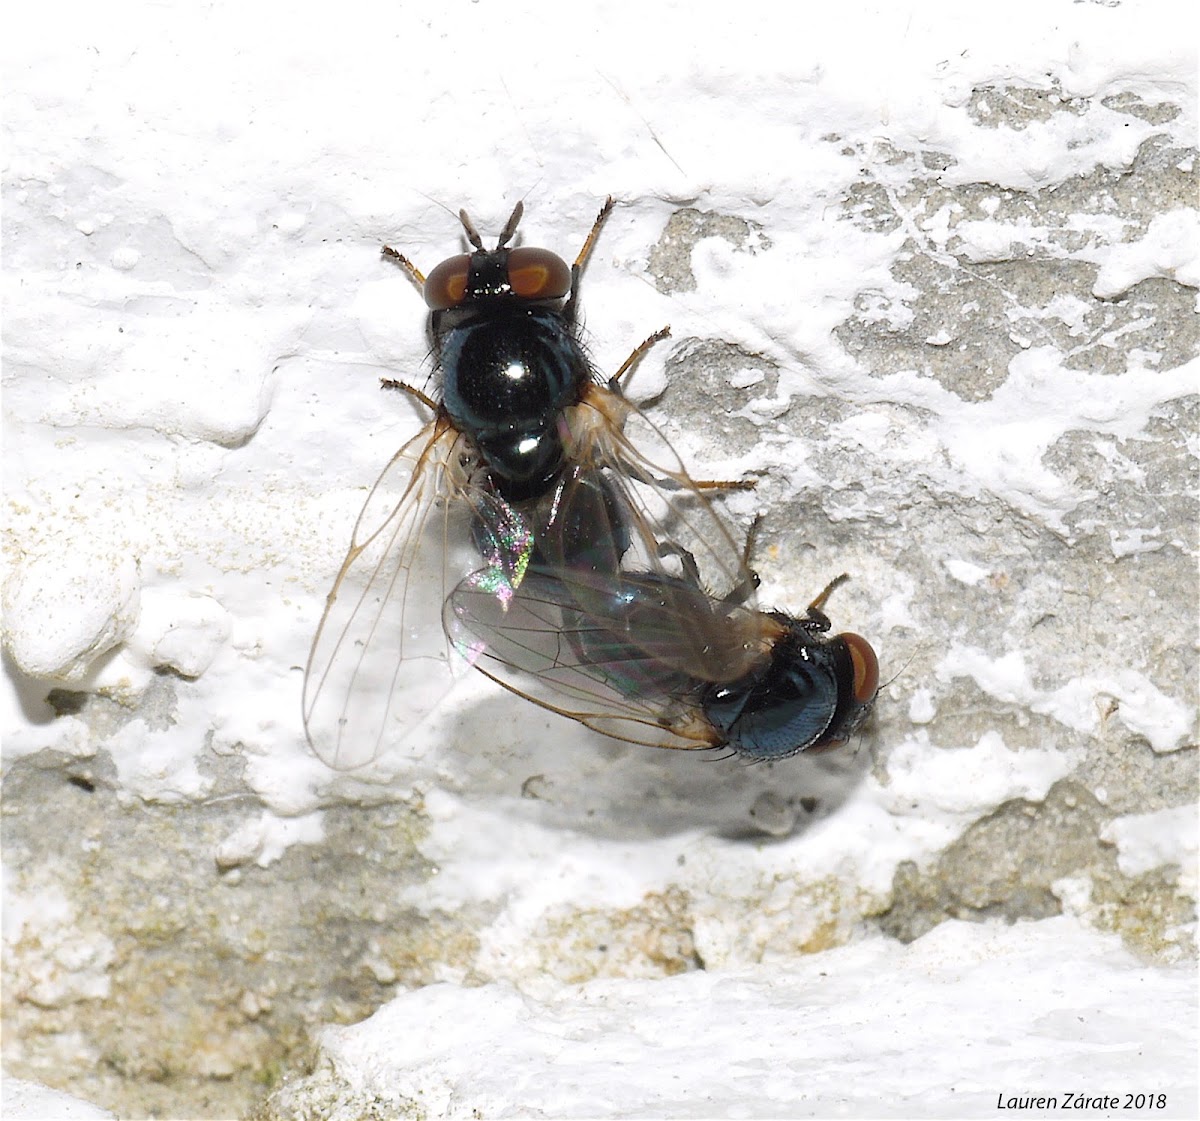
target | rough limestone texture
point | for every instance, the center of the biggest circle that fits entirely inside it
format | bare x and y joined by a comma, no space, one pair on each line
1044,1007
932,286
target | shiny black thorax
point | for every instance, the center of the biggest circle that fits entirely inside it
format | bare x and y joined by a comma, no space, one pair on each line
509,367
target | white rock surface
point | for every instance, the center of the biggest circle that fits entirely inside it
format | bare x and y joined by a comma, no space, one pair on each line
30,1101
952,1026
67,607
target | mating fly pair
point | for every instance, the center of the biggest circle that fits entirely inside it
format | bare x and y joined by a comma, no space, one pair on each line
542,525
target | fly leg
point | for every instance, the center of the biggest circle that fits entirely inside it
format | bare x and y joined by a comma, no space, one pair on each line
418,279
735,597
743,589
815,618
614,383
414,273
748,584
691,570
668,483
569,309
724,484
412,391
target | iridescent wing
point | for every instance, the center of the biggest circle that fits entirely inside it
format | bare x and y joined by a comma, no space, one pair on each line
636,596
379,660
541,646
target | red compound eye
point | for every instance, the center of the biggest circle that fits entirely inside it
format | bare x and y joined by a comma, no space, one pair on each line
537,274
446,286
866,667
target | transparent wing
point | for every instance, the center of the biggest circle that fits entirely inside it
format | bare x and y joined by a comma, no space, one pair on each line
620,520
541,646
672,527
636,596
379,661
627,520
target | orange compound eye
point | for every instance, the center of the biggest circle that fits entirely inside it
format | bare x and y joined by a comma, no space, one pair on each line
537,274
446,286
866,667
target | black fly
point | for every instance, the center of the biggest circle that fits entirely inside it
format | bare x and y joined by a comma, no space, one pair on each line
579,565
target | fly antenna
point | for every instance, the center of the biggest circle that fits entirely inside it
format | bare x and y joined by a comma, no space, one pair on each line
510,227
472,233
